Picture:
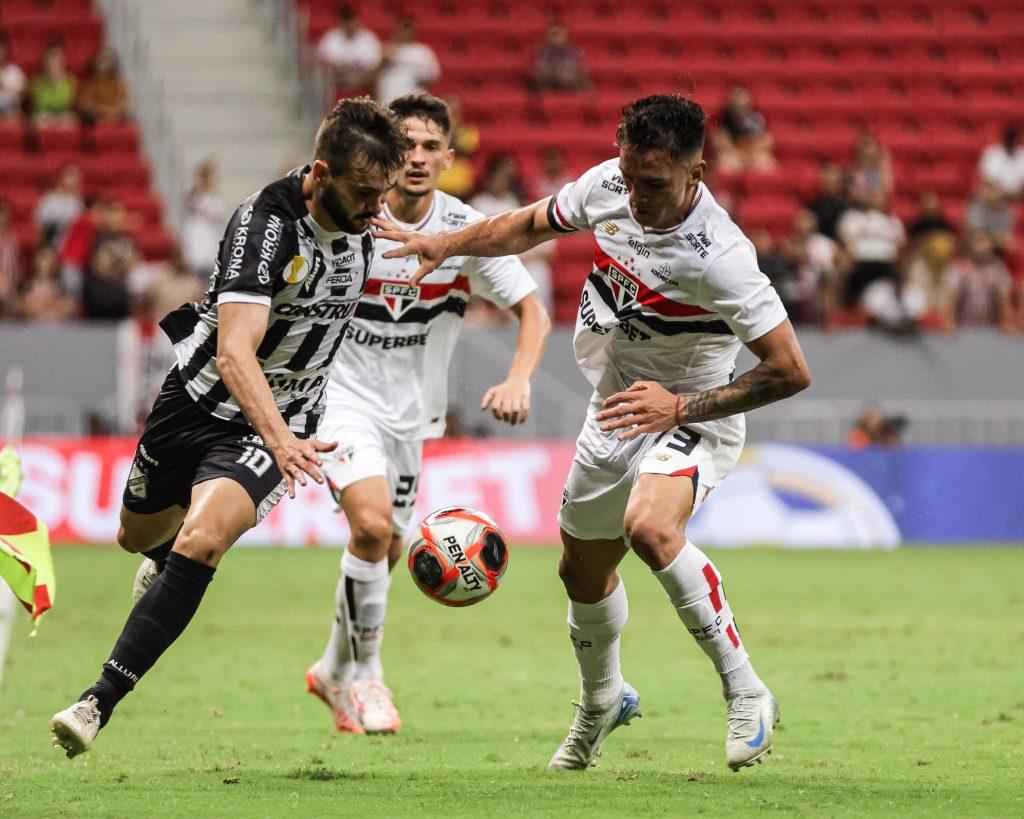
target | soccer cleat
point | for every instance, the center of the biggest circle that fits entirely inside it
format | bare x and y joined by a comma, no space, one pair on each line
752,720
76,726
10,471
375,704
337,698
589,730
144,578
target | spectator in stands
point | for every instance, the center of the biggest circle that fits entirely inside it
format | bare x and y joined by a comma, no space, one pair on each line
407,66
815,261
1002,164
831,202
12,84
60,206
10,259
978,286
77,245
459,179
778,268
746,143
553,176
501,190
205,215
53,88
351,53
873,428
990,211
933,244
104,97
42,297
558,63
871,172
170,285
873,238
105,291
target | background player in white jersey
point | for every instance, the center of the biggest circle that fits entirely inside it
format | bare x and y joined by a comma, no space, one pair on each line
389,391
674,292
231,429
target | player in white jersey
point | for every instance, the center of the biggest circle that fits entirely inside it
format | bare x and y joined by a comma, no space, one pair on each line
388,392
675,290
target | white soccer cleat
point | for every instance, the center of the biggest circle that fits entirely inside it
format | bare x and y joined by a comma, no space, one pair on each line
336,697
76,726
752,720
589,730
376,706
144,578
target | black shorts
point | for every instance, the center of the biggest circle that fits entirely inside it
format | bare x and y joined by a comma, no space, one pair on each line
182,445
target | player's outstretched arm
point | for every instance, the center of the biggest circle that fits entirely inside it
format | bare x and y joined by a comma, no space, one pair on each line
510,400
648,407
507,234
240,329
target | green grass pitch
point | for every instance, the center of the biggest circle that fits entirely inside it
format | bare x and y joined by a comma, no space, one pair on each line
900,677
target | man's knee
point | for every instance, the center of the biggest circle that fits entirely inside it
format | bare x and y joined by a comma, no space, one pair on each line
585,582
131,543
655,538
202,541
372,532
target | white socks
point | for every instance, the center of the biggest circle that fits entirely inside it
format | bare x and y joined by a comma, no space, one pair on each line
353,649
594,629
695,588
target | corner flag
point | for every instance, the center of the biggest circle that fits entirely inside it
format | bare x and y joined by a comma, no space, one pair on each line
25,561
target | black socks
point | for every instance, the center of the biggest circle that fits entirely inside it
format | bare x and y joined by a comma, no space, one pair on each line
158,554
157,620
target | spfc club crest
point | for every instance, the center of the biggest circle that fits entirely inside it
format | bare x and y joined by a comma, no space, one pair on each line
398,297
623,287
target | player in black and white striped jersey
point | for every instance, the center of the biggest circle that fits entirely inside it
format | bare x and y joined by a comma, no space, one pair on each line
230,430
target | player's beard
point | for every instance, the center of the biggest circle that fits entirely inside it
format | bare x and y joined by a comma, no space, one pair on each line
332,204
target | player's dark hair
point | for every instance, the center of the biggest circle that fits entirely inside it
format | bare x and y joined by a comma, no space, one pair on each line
362,132
424,106
668,122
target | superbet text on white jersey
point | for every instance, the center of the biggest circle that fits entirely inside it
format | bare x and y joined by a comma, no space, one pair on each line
393,364
671,306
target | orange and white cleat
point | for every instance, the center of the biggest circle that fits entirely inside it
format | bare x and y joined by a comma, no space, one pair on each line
376,706
336,697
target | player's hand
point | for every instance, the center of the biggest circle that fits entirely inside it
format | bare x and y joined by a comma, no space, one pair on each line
297,458
429,248
509,401
646,407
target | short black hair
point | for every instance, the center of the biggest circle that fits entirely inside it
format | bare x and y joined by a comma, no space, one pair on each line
362,130
668,122
424,106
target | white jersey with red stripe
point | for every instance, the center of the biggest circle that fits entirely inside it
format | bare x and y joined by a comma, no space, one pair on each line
671,306
393,363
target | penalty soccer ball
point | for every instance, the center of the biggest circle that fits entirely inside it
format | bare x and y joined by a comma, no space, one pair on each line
457,556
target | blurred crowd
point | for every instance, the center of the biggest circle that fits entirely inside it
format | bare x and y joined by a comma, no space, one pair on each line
849,260
846,260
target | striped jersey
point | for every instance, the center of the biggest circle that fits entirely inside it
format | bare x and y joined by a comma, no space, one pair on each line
671,306
393,365
275,254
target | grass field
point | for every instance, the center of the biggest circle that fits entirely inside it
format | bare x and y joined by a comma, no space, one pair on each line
900,677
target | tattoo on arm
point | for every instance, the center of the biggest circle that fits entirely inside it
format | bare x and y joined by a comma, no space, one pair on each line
755,388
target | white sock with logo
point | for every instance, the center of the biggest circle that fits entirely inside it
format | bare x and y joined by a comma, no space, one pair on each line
353,649
694,586
594,629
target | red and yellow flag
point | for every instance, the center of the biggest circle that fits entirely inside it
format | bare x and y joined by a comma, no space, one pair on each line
25,561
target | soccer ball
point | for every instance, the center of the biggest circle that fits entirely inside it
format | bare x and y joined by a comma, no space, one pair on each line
457,556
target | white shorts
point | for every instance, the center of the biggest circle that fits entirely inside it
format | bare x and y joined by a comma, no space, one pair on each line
365,451
604,469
